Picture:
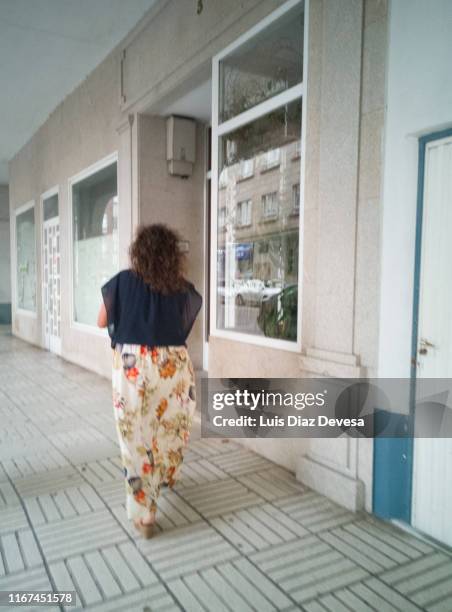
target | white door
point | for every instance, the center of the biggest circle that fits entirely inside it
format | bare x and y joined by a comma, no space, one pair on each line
432,475
51,260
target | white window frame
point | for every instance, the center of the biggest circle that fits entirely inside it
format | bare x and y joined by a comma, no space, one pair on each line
18,211
270,216
271,159
296,92
239,219
246,170
73,180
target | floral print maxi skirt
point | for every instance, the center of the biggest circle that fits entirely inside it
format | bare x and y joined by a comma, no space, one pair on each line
154,403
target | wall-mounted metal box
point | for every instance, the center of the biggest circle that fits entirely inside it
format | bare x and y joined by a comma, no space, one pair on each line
180,145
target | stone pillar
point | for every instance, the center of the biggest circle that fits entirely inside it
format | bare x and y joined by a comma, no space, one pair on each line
330,466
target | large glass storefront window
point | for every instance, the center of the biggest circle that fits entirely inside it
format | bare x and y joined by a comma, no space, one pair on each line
95,239
259,167
267,64
26,260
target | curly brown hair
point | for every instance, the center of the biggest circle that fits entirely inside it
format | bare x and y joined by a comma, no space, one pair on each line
156,257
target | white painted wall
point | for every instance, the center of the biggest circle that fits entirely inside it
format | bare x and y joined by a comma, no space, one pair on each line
419,101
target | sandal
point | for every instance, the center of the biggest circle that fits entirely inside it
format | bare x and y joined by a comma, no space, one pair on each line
146,530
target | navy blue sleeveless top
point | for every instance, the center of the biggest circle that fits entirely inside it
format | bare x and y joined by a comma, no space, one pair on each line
136,314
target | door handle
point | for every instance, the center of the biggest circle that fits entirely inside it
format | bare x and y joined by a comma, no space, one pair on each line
424,345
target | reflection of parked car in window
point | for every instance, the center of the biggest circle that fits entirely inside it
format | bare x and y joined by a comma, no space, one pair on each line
233,289
243,290
278,314
271,288
248,291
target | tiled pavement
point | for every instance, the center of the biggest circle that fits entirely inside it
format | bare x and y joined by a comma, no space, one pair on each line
238,533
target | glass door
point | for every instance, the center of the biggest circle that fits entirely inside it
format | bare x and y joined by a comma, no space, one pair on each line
51,274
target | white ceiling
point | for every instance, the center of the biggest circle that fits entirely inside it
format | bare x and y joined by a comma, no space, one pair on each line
47,47
196,103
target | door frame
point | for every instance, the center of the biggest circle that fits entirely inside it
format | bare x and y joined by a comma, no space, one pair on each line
424,141
44,196
207,237
393,460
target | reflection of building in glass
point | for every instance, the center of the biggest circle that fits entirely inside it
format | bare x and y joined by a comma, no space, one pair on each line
258,216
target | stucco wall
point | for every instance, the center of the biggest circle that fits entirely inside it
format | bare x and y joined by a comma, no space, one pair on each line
5,265
175,201
81,131
419,101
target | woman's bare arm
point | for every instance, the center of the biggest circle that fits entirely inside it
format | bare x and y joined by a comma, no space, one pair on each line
102,316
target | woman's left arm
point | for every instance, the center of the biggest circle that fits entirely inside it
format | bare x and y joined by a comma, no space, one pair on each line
102,316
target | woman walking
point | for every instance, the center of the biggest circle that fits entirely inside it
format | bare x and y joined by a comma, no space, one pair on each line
149,310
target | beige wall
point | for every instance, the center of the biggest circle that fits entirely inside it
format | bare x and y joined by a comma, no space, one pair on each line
175,201
370,195
81,131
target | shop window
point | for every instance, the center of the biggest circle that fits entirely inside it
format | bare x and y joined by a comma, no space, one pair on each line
257,255
26,260
95,239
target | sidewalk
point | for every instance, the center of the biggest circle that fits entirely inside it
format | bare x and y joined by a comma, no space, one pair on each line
238,533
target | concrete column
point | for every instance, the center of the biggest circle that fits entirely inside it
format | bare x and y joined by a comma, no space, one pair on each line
350,117
338,173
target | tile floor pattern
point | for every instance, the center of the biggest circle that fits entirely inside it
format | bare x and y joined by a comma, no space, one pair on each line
238,533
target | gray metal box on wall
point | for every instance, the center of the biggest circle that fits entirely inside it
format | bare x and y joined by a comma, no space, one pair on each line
180,145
